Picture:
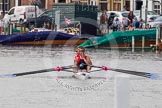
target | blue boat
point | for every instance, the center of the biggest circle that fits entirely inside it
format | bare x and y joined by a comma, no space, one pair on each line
42,38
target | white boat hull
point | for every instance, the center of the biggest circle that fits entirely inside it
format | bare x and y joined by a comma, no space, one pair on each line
82,75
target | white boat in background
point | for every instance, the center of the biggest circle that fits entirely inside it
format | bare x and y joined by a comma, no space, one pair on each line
39,30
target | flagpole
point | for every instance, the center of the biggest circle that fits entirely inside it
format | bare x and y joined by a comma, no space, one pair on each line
65,21
80,28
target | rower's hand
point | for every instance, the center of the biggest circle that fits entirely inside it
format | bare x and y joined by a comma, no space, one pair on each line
82,55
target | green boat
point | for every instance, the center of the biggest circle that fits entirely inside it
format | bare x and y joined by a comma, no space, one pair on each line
123,39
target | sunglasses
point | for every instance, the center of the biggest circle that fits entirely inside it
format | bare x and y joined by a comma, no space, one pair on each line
80,51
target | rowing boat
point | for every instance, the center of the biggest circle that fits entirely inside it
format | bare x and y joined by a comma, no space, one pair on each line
86,75
82,75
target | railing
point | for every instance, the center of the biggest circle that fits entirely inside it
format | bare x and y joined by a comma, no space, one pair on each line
2,27
7,28
158,44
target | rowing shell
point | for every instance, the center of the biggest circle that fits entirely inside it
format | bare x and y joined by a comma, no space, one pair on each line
82,75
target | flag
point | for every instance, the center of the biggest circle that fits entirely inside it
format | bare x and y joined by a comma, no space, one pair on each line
68,21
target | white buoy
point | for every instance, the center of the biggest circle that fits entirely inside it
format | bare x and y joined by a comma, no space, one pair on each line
122,91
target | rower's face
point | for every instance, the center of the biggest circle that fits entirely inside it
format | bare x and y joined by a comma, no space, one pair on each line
77,50
80,51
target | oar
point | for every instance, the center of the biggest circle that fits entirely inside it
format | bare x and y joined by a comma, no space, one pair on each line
38,71
142,74
87,72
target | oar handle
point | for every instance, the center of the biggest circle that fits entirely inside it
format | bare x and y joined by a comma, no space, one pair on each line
58,68
102,67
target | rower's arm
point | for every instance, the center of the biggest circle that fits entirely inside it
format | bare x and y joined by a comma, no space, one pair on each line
88,61
75,68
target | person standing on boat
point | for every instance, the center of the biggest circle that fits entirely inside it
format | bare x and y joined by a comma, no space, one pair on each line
82,61
103,23
130,17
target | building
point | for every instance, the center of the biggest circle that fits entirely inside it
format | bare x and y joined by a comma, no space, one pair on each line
5,5
102,4
156,6
117,5
42,3
110,5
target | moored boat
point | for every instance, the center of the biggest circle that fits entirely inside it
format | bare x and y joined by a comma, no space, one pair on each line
42,38
123,39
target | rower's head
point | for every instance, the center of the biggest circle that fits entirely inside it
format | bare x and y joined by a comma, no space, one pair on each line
80,49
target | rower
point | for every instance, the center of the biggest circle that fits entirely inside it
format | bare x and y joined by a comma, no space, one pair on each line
82,61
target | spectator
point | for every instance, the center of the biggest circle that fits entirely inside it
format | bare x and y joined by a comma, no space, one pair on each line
130,17
141,23
123,27
116,24
125,24
125,8
107,21
147,26
130,27
135,23
103,23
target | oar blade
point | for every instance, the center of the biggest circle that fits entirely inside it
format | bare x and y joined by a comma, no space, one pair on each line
34,72
8,75
155,76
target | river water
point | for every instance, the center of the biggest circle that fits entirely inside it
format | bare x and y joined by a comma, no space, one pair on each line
61,90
